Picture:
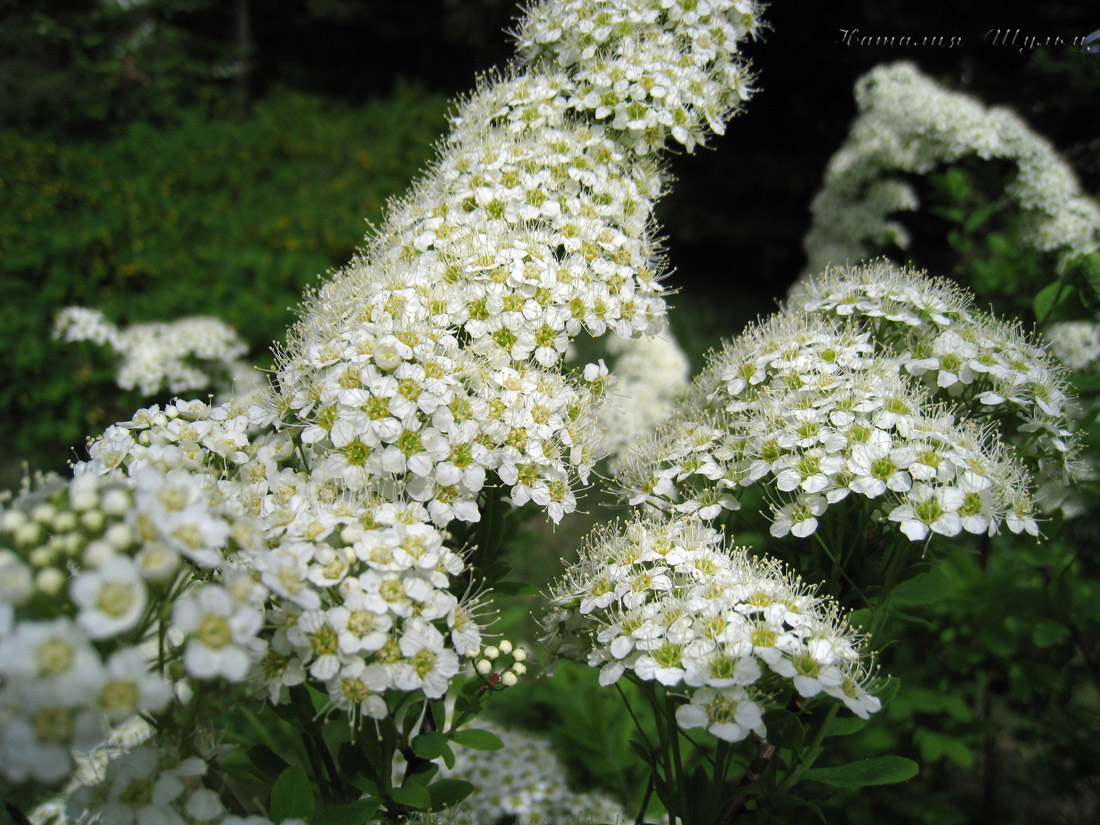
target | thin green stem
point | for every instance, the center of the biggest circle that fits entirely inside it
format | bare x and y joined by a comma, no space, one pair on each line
811,750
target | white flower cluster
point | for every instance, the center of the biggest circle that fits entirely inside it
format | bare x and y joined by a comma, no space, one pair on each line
525,782
812,403
908,124
147,783
649,68
83,570
667,601
180,356
437,356
1076,344
984,365
650,374
359,584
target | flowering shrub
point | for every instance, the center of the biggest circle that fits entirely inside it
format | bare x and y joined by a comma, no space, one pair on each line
169,356
319,544
316,564
908,124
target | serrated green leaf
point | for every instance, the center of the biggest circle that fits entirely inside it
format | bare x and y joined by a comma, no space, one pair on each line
882,770
478,740
1045,299
292,796
449,792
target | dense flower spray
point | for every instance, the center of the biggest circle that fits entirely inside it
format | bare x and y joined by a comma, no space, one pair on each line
877,382
668,602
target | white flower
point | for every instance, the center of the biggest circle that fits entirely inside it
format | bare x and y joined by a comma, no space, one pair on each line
220,633
111,598
427,664
730,714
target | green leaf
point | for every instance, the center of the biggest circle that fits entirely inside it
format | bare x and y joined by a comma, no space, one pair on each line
412,796
644,753
882,770
667,795
266,760
429,745
979,216
936,746
888,690
510,588
846,726
354,814
1044,301
448,792
784,729
478,740
292,796
926,588
1048,634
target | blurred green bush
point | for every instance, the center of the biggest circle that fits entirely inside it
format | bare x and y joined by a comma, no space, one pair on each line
226,218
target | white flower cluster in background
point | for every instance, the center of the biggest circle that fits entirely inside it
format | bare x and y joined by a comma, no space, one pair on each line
178,356
83,570
908,124
139,781
815,404
1076,344
525,783
650,374
667,601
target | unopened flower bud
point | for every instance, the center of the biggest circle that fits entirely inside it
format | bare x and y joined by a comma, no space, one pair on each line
92,521
115,502
519,669
118,536
509,679
491,652
49,581
97,553
484,666
27,534
12,520
505,646
44,513
387,357
519,654
352,533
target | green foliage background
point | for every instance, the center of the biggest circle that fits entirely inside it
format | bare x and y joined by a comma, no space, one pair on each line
222,217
